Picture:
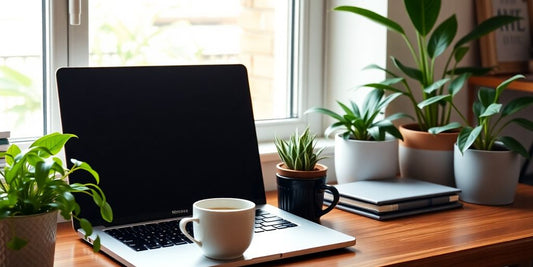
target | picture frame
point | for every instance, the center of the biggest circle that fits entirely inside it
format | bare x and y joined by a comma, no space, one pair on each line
508,49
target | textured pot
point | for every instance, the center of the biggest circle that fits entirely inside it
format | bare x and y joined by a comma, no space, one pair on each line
357,160
40,232
426,156
487,177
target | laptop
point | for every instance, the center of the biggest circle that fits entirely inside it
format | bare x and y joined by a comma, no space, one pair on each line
163,137
391,198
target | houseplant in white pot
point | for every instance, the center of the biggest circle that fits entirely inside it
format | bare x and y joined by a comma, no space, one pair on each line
301,179
367,145
432,96
487,165
33,189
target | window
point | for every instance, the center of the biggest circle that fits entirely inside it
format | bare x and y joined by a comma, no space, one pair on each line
265,36
21,68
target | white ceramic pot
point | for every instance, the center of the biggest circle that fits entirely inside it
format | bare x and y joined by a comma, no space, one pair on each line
357,160
40,232
426,156
487,177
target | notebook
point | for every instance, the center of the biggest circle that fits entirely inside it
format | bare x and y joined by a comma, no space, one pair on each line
163,137
391,198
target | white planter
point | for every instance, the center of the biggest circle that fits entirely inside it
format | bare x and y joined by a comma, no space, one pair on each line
487,177
357,160
40,232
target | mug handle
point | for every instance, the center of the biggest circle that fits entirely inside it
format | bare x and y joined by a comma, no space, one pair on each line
183,224
335,194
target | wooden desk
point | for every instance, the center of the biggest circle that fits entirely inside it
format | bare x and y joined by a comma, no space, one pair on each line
473,235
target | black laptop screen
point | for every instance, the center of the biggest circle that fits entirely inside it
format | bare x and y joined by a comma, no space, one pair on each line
161,137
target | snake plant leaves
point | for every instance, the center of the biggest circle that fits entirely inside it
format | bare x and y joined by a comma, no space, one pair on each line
391,25
423,14
442,37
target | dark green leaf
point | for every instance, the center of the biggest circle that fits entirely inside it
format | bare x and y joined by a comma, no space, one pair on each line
457,84
86,226
525,123
475,71
467,137
107,212
84,166
486,96
442,37
517,104
513,145
436,85
96,244
433,100
423,14
411,72
391,25
460,53
382,86
485,28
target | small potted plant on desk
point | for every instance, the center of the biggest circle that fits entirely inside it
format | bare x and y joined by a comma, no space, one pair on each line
301,179
426,151
33,189
367,146
487,165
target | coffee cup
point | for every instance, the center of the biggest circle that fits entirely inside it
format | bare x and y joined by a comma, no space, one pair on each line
223,227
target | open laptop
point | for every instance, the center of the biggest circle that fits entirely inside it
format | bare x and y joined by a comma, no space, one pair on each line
163,137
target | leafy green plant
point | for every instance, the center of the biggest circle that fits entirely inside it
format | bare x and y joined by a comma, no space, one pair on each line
491,120
433,111
35,181
298,152
363,123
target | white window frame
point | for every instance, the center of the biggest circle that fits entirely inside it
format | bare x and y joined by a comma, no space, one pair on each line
69,47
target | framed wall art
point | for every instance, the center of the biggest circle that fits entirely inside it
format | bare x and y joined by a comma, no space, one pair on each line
507,49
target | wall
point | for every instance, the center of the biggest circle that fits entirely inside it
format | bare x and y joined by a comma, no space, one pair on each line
465,11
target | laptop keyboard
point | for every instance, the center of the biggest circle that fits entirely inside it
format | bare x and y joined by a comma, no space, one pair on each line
167,234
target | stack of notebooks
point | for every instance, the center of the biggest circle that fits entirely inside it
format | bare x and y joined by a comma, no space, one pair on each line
395,197
4,144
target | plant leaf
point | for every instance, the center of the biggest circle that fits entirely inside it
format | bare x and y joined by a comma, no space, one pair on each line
502,86
436,85
391,25
517,104
467,137
486,27
85,166
53,142
457,84
460,53
525,123
491,110
442,37
433,100
475,71
423,14
513,145
411,72
444,128
486,96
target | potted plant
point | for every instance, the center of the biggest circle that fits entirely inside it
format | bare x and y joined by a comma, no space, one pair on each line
301,179
432,100
367,145
487,164
33,189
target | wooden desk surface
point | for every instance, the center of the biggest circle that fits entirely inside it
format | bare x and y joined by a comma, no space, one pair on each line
474,235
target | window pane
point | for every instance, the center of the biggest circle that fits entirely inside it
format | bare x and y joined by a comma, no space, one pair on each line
21,68
181,32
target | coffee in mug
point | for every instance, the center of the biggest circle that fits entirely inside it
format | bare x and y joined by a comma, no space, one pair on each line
223,227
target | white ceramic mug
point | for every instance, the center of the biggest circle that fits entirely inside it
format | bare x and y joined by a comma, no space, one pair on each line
223,227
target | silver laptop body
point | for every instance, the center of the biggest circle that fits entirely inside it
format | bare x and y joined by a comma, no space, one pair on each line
162,137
